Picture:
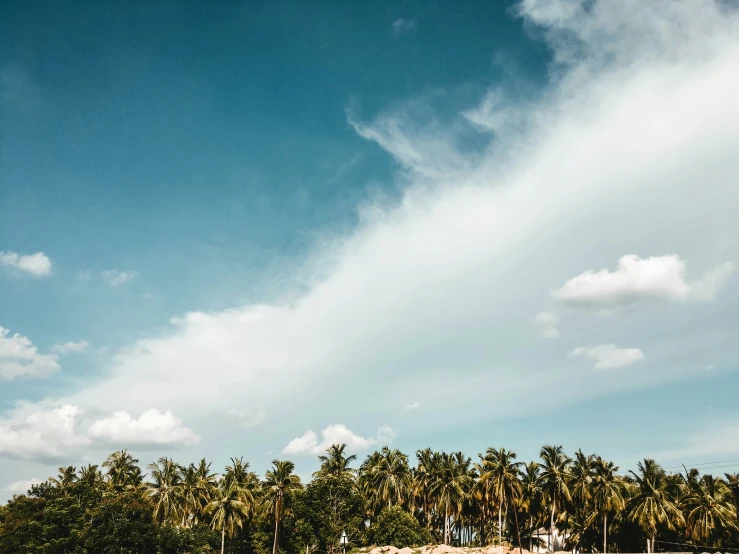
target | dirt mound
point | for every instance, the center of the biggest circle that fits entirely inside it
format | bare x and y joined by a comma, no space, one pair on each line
444,549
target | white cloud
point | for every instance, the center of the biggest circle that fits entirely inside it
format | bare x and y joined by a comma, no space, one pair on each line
38,264
115,277
43,434
70,347
337,434
546,323
412,406
151,428
84,275
609,356
20,358
21,487
249,419
640,280
401,26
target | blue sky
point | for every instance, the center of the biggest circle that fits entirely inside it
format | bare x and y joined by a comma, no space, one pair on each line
258,228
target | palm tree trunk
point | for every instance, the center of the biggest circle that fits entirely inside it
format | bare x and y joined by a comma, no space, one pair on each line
277,525
446,522
551,529
531,533
605,532
518,531
223,539
500,524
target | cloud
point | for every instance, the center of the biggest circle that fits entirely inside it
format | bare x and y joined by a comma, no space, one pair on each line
152,428
546,323
402,26
21,487
69,347
608,356
115,277
38,264
20,358
44,434
249,419
637,280
337,434
412,406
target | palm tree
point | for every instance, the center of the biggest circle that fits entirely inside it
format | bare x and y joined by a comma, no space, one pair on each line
67,476
227,509
123,472
531,497
90,475
499,474
422,475
708,507
450,483
608,493
165,489
386,475
733,479
554,480
336,463
653,505
280,484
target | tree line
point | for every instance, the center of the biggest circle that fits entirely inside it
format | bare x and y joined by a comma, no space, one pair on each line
442,498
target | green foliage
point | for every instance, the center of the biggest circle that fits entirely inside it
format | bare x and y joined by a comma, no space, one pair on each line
191,509
397,527
122,524
328,506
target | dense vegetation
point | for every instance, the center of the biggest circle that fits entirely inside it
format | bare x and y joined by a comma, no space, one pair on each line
444,498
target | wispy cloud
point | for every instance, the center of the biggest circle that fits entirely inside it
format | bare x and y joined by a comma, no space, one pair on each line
609,356
402,26
116,278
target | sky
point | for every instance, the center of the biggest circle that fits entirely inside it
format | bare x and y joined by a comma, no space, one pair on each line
256,229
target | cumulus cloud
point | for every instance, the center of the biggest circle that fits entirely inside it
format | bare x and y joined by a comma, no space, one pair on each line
638,280
21,487
44,434
442,284
609,356
38,264
401,26
337,434
20,358
546,323
151,428
249,419
70,347
116,278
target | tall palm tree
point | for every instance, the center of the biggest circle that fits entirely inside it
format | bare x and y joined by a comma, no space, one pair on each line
733,479
451,483
608,493
531,497
165,490
422,476
123,471
653,504
90,475
708,506
67,476
280,483
499,474
554,480
227,509
336,463
387,476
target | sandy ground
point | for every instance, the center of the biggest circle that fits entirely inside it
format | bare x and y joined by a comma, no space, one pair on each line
444,549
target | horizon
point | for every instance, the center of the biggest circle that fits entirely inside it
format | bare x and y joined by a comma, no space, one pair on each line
258,230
